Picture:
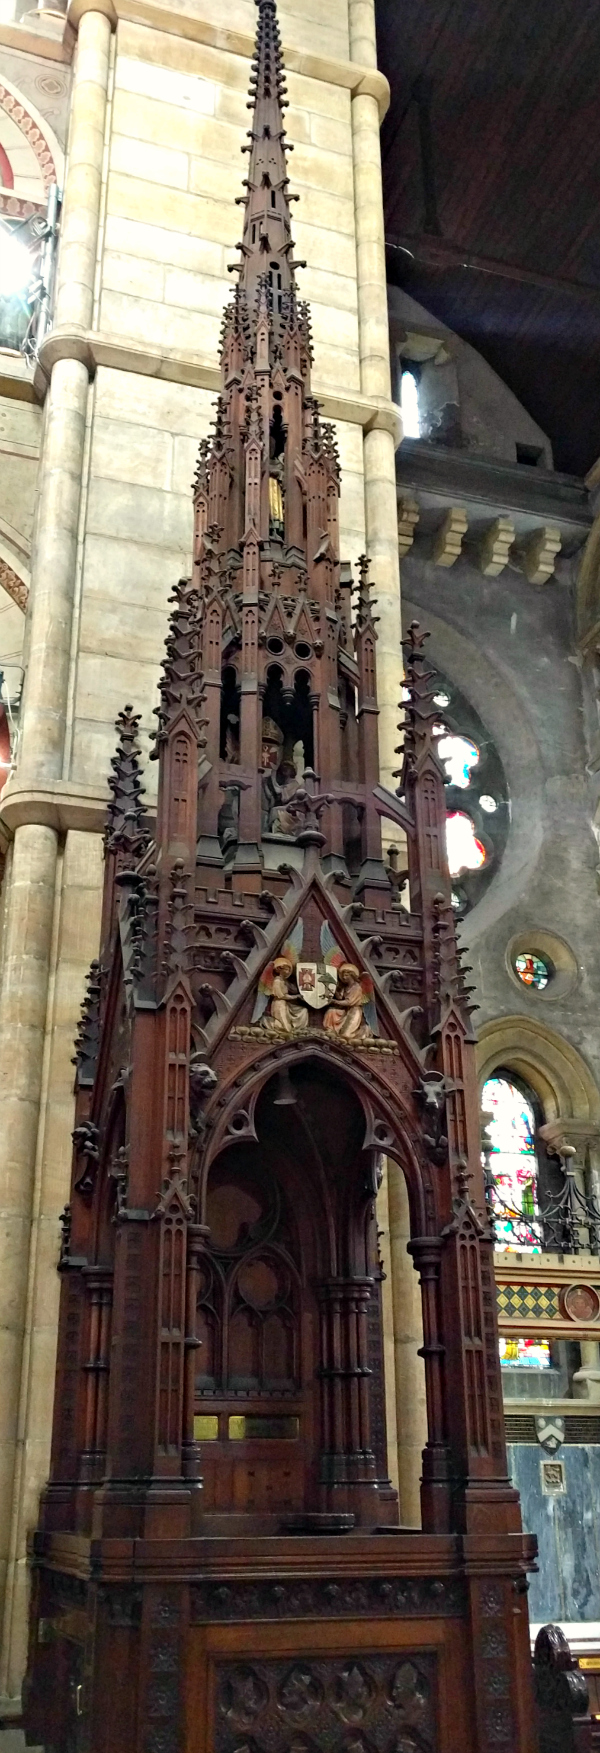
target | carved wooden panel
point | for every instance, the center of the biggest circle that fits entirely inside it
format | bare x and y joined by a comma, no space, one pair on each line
162,1706
348,1704
329,1598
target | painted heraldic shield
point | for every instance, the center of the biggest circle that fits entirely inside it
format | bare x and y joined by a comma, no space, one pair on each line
316,982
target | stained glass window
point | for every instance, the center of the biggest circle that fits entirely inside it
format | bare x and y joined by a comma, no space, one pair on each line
519,1353
459,755
512,1166
465,851
533,970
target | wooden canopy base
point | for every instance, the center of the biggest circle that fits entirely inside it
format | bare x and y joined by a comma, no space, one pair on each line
399,1643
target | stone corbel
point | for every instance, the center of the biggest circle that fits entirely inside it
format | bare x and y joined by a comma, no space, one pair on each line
408,518
565,1136
449,538
538,556
495,546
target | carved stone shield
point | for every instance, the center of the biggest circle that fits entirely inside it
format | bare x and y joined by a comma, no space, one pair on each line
316,982
550,1431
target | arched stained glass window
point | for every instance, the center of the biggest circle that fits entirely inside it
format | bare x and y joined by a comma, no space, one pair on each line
409,404
509,1127
512,1174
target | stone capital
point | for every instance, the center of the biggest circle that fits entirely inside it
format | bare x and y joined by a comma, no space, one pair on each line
77,9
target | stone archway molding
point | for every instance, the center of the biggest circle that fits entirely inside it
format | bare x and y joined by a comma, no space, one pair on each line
38,133
16,588
550,1064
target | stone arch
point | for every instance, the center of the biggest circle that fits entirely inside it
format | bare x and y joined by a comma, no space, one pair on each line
41,158
550,1064
15,586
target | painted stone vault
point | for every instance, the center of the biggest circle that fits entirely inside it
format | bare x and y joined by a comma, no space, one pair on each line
218,1563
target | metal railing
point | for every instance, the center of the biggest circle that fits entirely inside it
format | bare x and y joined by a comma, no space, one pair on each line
563,1222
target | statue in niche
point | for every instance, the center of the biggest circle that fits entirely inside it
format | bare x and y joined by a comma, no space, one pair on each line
284,788
232,739
276,509
280,781
276,476
279,1008
271,752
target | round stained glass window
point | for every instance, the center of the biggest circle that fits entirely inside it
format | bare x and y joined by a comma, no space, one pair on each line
534,971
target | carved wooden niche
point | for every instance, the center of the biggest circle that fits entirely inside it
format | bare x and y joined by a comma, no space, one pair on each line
287,1306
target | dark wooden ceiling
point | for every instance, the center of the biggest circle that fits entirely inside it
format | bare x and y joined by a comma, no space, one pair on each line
491,164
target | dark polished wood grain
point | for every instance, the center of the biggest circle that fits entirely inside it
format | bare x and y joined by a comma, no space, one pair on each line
218,1563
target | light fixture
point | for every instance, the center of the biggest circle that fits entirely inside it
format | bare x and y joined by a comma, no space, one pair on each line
15,265
285,1094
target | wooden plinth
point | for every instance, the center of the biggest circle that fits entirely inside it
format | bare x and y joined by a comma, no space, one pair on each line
351,1643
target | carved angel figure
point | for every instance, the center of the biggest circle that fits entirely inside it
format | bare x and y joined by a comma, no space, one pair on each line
349,1017
279,1007
352,1016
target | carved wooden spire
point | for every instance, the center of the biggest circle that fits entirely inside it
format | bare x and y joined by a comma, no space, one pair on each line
124,814
267,236
180,725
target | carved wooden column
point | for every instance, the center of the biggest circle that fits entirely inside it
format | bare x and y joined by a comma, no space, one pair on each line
98,1281
196,1239
436,1485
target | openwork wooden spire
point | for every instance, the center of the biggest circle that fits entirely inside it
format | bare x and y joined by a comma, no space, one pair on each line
181,684
124,814
267,236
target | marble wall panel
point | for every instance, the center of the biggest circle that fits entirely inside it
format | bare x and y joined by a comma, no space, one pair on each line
567,1586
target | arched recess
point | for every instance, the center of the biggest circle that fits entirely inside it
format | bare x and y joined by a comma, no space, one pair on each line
38,156
552,1066
292,1161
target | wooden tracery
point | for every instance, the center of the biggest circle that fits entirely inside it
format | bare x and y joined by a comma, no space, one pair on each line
271,1010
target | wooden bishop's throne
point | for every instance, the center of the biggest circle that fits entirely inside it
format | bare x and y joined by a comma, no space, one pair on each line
218,1566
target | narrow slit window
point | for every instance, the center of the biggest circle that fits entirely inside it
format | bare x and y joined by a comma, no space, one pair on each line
409,403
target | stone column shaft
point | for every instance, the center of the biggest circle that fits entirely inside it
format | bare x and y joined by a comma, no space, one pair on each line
81,206
31,898
22,1029
381,524
381,517
411,1412
61,463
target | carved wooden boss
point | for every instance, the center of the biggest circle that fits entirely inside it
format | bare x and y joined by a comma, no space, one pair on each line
218,1563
